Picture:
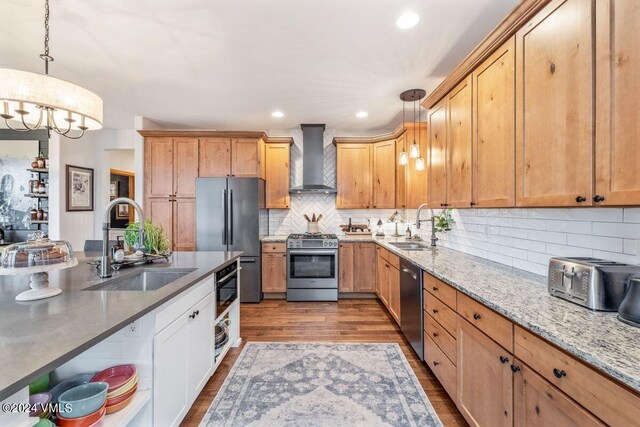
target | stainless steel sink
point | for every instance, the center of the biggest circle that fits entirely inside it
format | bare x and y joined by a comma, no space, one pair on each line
409,246
142,281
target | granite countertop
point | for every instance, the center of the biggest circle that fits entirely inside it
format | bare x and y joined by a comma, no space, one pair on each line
341,237
38,336
595,337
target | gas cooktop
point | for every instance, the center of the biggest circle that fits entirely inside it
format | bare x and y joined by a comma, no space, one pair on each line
318,236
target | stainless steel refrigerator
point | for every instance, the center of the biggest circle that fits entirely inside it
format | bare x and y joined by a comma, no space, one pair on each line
231,216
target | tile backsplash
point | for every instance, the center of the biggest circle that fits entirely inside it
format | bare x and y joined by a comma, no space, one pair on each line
518,237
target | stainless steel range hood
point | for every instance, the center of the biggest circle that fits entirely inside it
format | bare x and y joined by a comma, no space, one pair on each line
312,161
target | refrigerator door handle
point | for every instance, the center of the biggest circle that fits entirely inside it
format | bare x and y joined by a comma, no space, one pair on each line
231,217
224,217
243,260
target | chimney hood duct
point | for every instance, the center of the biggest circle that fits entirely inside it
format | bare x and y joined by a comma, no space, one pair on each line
312,161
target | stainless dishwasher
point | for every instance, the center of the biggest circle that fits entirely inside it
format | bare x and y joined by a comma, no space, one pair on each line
411,306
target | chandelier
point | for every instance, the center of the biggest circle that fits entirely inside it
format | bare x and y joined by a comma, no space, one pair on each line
29,101
412,95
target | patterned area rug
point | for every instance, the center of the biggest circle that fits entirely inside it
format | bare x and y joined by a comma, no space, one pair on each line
321,384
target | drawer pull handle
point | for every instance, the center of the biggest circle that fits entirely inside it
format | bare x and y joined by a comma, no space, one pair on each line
435,363
435,311
515,368
435,289
476,316
504,359
559,373
435,334
192,315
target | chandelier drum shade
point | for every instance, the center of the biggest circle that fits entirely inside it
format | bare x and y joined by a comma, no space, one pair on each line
29,101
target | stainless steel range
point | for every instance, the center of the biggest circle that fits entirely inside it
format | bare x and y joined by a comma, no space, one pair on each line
312,267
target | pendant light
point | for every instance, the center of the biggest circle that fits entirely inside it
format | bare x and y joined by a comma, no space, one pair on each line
411,95
420,159
404,159
29,101
414,150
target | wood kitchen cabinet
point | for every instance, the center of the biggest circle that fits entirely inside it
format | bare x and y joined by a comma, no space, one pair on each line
215,157
169,167
417,180
238,157
485,384
277,175
459,145
554,106
274,272
382,277
384,174
177,217
617,177
388,281
353,176
356,266
246,157
494,129
438,155
401,173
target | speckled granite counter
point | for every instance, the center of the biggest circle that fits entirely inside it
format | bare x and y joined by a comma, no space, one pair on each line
38,336
597,338
273,239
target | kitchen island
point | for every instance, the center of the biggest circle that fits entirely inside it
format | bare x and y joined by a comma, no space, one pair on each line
39,336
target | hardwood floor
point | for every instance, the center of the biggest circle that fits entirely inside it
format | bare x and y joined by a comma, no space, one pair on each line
347,321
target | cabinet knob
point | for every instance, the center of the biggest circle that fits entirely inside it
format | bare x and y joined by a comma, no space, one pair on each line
192,315
581,199
504,359
473,203
435,334
435,311
598,198
435,289
559,373
515,368
435,363
476,316
197,312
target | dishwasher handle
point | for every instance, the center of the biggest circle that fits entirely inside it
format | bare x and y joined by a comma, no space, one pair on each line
413,275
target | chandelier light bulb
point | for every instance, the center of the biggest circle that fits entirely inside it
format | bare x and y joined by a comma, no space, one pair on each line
403,158
420,164
414,151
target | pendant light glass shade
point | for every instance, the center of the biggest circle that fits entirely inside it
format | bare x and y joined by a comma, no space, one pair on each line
420,164
414,151
404,159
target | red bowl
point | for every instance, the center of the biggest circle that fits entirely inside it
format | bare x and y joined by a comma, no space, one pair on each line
122,397
86,421
115,376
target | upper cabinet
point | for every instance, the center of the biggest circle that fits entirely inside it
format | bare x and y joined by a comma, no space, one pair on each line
401,174
353,176
384,174
215,157
185,170
438,154
617,176
158,159
458,152
554,106
238,157
494,129
277,174
416,180
246,157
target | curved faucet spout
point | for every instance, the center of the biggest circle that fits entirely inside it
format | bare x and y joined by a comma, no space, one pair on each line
105,261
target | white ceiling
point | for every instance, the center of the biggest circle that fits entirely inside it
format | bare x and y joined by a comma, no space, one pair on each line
227,64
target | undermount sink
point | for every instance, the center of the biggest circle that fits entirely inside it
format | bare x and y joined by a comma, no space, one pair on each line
409,246
142,281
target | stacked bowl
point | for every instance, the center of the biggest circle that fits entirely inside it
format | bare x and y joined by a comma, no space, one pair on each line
122,383
83,405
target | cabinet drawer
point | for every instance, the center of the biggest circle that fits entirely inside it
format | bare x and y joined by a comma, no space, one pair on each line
394,260
441,366
274,247
488,321
383,252
607,400
438,288
445,341
438,310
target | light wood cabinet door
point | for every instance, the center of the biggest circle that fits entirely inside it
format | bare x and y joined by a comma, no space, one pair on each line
485,380
554,106
345,267
353,176
417,180
401,174
382,280
459,113
536,403
277,176
158,167
438,155
494,130
245,158
617,113
160,212
364,274
184,225
185,166
394,292
215,157
384,175
274,272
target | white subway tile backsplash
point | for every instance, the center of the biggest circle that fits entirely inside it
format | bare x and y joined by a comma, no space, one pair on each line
529,224
624,230
595,242
530,245
568,251
547,236
632,215
577,227
595,214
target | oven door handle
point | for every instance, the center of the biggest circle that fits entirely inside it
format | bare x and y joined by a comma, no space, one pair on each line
313,252
228,276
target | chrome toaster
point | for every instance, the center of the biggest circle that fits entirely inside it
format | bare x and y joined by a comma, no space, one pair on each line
590,282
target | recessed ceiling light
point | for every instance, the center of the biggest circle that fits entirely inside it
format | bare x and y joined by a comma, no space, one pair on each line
362,114
408,20
277,114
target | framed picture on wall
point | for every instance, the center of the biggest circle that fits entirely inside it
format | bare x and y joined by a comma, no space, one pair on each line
122,211
79,189
113,189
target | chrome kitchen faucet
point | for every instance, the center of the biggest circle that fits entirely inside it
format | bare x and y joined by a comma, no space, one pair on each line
105,262
434,239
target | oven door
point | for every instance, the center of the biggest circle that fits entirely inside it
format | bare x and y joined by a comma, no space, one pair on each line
312,269
226,292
